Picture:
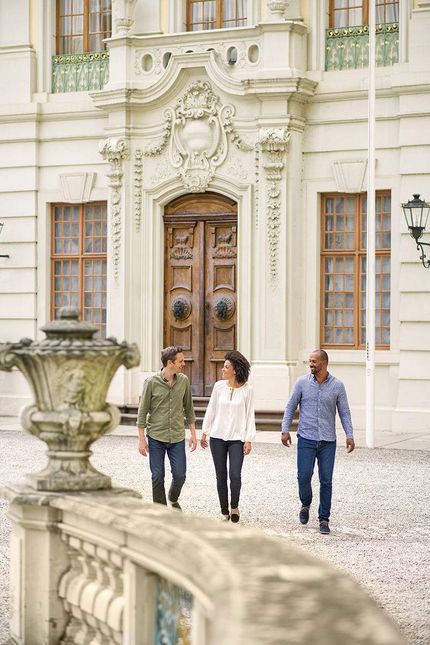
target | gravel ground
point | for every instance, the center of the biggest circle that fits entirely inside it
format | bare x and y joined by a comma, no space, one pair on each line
380,516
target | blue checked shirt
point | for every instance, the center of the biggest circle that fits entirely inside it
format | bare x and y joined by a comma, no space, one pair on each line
318,403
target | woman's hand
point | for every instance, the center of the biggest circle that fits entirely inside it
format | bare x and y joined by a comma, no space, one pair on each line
247,447
203,441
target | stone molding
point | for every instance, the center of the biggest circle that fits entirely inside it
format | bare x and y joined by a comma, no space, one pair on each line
77,186
350,175
273,143
114,151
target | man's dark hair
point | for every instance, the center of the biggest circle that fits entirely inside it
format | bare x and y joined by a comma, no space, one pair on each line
169,354
240,365
322,354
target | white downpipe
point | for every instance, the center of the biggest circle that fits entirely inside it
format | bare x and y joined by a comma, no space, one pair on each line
371,221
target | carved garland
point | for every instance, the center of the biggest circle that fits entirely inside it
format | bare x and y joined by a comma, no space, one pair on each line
114,151
138,182
274,142
196,131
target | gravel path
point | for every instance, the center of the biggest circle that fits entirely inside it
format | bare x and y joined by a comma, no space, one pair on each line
380,516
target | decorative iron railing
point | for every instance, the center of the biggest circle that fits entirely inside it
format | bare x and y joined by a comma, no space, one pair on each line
80,72
348,48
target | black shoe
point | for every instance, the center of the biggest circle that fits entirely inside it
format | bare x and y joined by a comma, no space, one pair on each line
234,517
304,515
324,527
176,505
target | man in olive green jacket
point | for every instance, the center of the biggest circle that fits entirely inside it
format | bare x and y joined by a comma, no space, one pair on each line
165,401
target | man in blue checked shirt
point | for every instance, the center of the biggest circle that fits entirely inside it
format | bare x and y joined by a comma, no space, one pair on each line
318,395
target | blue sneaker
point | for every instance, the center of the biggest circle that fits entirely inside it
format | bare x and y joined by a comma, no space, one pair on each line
324,527
304,515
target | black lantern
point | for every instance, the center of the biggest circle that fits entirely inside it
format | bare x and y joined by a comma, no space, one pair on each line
416,213
1,228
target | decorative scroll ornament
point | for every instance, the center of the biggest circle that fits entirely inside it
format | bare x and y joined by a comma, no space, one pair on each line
114,151
273,143
196,132
181,307
224,308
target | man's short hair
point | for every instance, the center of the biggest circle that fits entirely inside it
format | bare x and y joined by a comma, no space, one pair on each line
169,354
322,354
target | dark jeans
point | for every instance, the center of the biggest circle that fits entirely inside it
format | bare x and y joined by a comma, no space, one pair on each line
178,466
220,450
324,452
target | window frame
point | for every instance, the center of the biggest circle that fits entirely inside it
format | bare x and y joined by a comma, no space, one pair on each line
357,253
219,20
364,12
86,29
81,257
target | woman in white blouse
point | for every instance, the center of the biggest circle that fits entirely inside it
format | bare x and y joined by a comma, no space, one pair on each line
230,423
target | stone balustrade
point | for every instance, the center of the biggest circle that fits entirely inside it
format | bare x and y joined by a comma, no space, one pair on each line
103,567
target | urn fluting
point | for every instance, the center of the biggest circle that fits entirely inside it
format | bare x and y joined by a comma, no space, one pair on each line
69,373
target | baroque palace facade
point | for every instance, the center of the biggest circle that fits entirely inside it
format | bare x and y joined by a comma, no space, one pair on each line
192,172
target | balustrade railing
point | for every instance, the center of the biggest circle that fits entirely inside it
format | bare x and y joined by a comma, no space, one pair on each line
348,47
80,72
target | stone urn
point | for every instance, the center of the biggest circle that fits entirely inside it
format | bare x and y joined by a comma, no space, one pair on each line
69,373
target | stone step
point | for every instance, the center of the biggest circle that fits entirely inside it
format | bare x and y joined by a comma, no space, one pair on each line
264,419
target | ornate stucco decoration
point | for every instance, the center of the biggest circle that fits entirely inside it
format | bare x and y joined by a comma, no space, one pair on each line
138,182
273,143
196,136
114,151
123,16
277,9
69,373
198,144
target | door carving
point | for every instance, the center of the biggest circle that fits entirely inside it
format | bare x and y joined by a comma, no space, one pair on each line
200,271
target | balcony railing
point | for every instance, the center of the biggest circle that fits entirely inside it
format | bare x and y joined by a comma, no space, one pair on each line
80,72
348,48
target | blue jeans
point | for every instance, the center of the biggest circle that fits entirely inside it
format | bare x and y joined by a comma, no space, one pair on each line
178,466
220,450
324,452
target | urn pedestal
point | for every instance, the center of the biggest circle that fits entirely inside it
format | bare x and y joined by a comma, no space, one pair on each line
69,373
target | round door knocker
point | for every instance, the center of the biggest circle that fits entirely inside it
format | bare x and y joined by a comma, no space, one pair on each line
181,307
224,308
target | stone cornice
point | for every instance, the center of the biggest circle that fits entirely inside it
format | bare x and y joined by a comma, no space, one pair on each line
117,98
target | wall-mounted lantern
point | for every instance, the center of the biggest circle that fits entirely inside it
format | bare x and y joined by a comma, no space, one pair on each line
416,213
1,228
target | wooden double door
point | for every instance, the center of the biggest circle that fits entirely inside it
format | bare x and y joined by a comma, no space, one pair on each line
200,284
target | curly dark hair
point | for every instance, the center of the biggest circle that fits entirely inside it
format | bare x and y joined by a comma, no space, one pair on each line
169,354
240,365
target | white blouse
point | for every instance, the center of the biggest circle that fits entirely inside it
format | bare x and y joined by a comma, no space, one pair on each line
230,413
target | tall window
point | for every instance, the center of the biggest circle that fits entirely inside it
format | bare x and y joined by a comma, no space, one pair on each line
215,14
350,13
82,25
343,270
78,260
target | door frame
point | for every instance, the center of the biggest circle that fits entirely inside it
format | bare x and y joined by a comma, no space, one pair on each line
150,308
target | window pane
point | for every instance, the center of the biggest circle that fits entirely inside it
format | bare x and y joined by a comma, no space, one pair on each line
343,301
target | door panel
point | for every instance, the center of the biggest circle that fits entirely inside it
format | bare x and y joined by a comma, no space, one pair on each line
200,284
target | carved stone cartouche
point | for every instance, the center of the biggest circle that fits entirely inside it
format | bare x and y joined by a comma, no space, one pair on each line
69,373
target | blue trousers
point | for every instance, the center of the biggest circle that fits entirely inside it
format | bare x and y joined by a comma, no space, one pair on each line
220,450
324,452
178,466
